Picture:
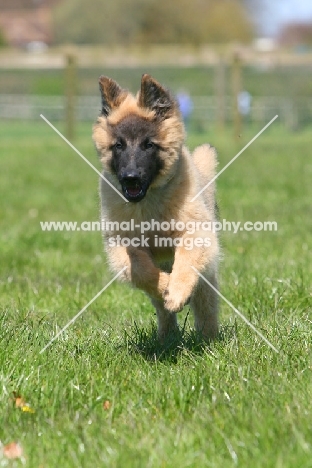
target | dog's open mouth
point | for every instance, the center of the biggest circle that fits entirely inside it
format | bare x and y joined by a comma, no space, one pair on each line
133,189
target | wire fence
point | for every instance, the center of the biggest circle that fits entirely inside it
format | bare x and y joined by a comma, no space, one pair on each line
293,112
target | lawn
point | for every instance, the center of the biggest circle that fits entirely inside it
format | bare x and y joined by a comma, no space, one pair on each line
105,394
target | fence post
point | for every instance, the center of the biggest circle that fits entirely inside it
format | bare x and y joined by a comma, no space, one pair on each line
237,87
70,94
220,92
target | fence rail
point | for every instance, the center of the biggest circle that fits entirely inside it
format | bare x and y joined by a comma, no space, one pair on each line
294,112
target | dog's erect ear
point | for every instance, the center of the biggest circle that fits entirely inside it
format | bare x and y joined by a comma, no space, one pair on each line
153,96
112,94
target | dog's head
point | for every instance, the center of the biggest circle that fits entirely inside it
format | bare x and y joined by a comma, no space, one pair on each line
138,139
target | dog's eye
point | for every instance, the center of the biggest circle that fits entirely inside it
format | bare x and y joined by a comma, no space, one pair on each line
148,144
118,145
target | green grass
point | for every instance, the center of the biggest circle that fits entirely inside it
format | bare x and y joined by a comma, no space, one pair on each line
236,403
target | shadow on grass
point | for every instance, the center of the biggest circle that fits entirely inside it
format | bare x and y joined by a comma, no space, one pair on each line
144,341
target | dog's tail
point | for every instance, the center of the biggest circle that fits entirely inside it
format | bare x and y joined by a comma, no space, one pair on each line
205,160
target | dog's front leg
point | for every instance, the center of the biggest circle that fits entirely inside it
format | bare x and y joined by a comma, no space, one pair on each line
167,322
199,250
141,271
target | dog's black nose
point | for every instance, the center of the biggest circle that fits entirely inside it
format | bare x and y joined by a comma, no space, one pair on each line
131,175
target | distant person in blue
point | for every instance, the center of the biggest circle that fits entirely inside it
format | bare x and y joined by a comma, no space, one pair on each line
186,106
244,104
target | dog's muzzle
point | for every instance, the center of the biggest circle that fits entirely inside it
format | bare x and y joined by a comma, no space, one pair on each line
133,188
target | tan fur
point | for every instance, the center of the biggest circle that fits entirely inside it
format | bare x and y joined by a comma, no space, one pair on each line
127,107
166,273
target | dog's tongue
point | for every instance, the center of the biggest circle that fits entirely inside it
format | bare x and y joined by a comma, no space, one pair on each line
133,191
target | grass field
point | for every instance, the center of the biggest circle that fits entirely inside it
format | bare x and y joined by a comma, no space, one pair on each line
237,403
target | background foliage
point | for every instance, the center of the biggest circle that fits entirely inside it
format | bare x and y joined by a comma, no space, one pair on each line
152,21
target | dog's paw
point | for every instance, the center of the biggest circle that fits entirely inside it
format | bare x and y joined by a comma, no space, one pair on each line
163,282
174,302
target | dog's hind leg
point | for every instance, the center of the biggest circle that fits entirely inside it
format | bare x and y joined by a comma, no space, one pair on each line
204,304
167,321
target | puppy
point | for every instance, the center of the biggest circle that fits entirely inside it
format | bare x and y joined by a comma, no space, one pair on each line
141,144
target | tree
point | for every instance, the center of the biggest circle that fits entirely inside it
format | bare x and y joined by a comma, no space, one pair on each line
198,21
152,21
3,41
98,21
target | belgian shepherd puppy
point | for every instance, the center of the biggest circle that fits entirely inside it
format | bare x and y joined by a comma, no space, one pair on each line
140,142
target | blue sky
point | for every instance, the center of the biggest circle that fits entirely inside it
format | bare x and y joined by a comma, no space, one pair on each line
278,12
